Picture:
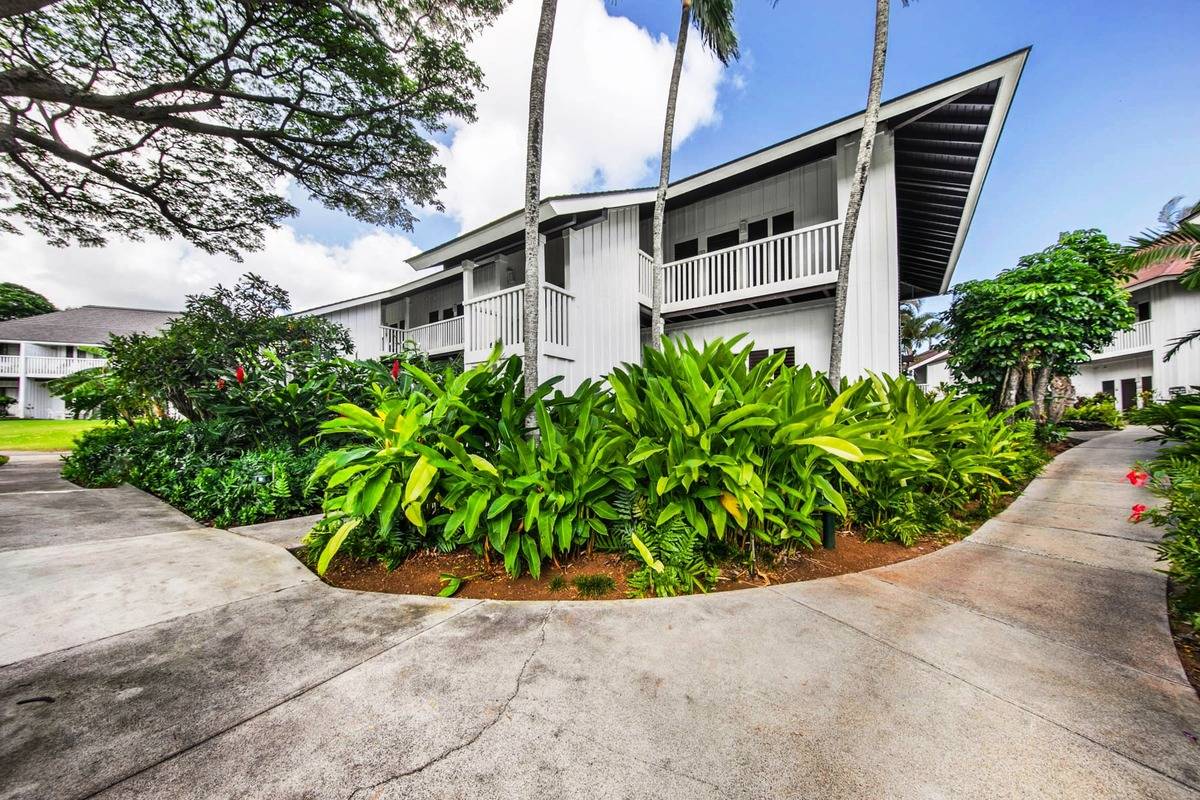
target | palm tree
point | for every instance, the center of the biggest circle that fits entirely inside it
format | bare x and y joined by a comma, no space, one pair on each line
1178,241
714,20
917,328
866,144
531,330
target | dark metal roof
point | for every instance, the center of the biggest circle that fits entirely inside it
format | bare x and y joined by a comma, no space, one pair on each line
83,325
938,148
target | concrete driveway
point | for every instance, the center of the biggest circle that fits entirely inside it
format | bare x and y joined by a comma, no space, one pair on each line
145,656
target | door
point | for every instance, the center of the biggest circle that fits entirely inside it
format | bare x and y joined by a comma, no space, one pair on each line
1128,394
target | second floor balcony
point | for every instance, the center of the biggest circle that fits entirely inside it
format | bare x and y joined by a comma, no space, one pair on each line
1138,340
786,262
45,366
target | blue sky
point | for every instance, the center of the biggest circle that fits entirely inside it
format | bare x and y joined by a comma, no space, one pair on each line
1102,132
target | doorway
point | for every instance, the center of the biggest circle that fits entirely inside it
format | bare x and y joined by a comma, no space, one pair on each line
1129,394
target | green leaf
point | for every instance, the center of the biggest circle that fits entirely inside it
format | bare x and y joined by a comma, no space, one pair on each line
334,544
652,562
833,445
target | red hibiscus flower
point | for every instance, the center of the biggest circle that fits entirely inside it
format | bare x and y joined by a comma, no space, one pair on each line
395,370
240,374
1138,510
1137,478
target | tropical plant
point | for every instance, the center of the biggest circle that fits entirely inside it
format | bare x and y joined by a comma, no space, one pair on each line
672,555
714,21
186,125
738,451
530,317
1099,411
917,328
98,392
17,302
1009,335
858,185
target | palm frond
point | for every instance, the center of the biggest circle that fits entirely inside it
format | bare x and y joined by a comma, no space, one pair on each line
1154,247
1178,343
714,20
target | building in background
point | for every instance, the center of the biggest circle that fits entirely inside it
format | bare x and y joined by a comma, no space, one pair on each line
930,370
752,247
36,350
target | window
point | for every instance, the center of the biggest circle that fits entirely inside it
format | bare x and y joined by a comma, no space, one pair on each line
789,355
433,316
449,313
1147,383
1143,312
719,241
757,230
688,249
757,356
1109,388
458,310
782,223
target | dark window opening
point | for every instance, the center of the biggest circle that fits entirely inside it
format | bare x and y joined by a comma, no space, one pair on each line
757,356
757,230
1109,388
458,310
719,241
449,313
782,223
688,249
1143,312
433,316
1147,383
789,356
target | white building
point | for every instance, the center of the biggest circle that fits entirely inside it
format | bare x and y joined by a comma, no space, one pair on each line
931,369
1134,362
752,247
35,350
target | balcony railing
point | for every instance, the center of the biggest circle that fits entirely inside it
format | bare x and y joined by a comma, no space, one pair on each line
497,317
1140,338
47,366
780,263
435,338
645,277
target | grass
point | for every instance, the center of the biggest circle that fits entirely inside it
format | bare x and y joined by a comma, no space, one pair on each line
43,434
594,585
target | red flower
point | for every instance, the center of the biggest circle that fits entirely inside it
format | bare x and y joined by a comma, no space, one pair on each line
220,384
1138,510
395,369
240,374
1137,478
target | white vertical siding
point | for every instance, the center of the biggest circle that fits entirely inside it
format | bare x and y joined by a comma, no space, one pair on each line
1174,312
810,191
872,338
603,276
806,327
363,322
438,298
40,404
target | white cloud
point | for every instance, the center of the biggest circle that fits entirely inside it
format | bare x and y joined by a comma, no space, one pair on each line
605,101
159,274
604,114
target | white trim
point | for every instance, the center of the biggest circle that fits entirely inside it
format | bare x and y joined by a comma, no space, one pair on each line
387,294
930,360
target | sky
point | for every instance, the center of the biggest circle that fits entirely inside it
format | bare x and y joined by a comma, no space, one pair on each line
1102,132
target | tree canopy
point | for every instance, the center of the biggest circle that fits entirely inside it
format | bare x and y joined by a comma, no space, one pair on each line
1009,335
16,302
211,340
182,117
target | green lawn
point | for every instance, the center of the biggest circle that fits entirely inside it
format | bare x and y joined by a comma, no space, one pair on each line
43,434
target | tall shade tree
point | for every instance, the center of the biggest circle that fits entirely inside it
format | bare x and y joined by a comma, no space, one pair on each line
530,323
1010,335
1178,241
189,117
714,20
17,302
858,184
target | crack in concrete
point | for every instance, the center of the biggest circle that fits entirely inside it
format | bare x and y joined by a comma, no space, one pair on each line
1021,707
479,733
1027,551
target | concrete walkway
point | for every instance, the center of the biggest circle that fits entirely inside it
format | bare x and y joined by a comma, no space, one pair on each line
147,657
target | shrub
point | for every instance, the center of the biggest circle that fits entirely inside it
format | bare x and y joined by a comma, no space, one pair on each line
1175,476
1096,412
193,467
594,585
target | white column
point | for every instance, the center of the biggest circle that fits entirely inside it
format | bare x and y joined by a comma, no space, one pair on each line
408,314
468,278
22,381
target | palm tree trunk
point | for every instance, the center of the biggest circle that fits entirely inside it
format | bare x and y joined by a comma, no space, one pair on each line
866,144
664,177
531,329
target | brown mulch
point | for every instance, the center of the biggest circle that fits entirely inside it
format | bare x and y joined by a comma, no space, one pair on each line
1187,643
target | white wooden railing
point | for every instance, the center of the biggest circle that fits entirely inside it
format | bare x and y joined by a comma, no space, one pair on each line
497,317
784,262
47,366
443,336
645,276
1140,338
